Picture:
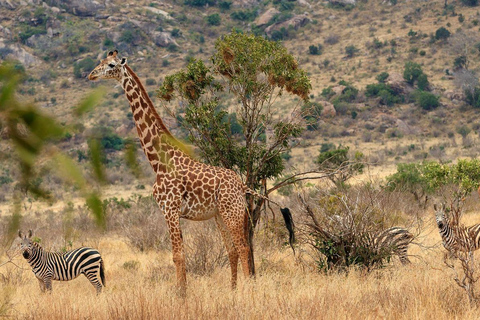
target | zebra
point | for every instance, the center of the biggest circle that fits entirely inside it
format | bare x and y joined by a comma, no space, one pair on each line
393,240
48,266
456,238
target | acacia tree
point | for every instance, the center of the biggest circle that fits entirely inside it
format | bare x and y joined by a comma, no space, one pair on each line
249,73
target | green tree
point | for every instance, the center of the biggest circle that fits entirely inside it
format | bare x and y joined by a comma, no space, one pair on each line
256,71
340,165
442,33
411,72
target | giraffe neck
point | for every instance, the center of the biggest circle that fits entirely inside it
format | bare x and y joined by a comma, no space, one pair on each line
159,145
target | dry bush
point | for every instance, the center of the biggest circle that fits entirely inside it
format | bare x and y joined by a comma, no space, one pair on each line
204,248
138,219
340,225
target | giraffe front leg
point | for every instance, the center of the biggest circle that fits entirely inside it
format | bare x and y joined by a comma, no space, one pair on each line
173,223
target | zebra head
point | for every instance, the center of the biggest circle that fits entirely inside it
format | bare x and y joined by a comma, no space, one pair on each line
440,216
26,245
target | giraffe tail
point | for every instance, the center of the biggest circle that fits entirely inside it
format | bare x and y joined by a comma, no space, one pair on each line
287,216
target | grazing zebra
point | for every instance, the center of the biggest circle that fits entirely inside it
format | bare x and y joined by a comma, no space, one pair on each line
455,237
393,240
48,266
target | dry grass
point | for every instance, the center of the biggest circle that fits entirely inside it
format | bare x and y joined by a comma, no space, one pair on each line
285,288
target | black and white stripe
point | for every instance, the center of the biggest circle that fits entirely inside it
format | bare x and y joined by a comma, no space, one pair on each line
48,266
456,237
393,240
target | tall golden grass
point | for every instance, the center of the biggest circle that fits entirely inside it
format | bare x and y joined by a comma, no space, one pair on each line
285,288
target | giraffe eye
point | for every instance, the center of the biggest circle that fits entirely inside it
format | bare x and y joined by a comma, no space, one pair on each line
111,65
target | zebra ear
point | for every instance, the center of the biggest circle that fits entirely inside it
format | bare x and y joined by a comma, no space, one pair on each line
435,207
30,233
20,234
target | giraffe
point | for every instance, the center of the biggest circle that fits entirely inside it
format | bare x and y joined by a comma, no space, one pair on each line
184,187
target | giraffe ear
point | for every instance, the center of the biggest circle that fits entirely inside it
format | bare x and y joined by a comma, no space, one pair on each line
124,61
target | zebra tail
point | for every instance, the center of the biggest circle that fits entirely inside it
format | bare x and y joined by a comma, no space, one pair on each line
287,216
102,273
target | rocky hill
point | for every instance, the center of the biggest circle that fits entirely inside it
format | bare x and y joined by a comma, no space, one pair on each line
389,76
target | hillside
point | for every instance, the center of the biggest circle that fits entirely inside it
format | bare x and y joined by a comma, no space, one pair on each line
58,43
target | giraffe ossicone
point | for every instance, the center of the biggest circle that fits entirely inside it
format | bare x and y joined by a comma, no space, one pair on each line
184,187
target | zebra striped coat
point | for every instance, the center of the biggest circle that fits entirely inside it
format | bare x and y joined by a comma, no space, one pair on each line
395,240
455,237
48,266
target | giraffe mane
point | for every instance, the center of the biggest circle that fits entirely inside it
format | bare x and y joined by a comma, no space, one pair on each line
158,119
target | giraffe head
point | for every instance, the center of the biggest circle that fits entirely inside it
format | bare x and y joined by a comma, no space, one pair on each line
26,245
109,68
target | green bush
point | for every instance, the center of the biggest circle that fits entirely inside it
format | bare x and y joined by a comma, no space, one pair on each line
470,3
214,19
200,3
472,97
426,100
351,51
411,72
422,82
387,95
244,15
442,34
382,77
315,50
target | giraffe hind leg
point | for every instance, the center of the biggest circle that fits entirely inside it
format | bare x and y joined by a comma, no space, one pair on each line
232,251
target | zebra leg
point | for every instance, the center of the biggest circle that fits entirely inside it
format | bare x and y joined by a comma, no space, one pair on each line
48,284
93,277
42,284
404,260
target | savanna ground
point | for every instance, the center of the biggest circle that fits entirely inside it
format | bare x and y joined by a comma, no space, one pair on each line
140,274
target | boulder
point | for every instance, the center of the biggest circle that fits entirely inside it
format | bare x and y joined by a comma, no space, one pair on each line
15,51
343,2
165,14
9,4
163,39
328,110
455,95
266,17
397,82
296,22
82,8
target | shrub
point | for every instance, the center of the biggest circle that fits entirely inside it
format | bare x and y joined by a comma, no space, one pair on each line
351,51
340,226
460,62
442,34
225,5
214,19
245,15
470,3
200,3
387,95
340,164
411,72
382,77
315,50
422,82
426,100
151,82
472,97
